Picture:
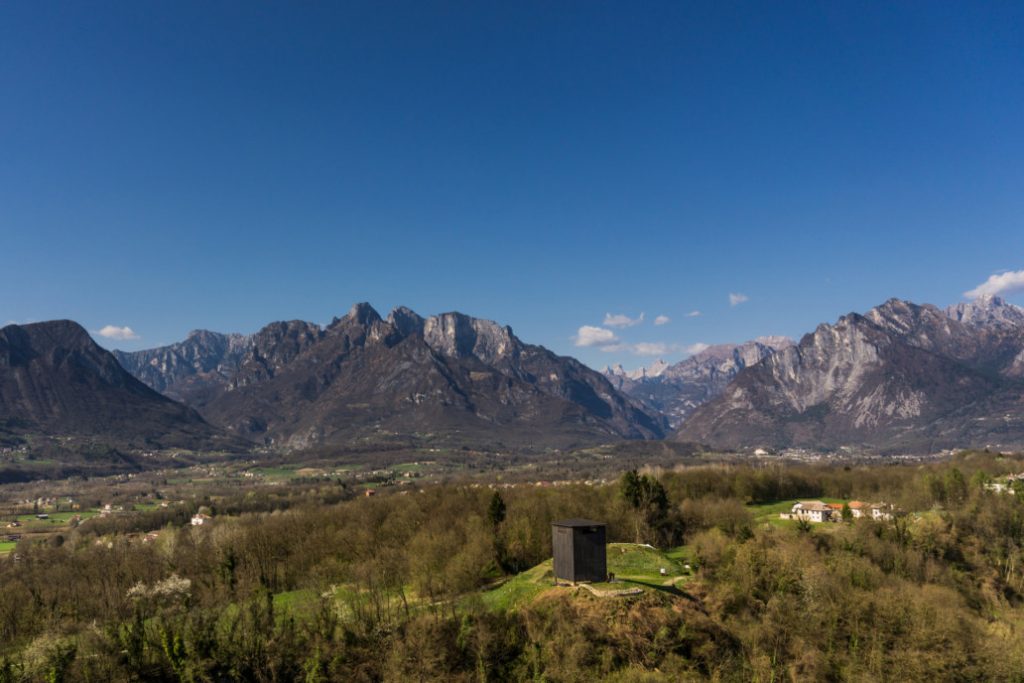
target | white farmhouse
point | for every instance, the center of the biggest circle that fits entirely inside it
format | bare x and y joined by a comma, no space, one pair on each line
812,511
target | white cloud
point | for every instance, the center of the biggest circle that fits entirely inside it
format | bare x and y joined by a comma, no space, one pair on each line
119,333
693,314
999,283
735,299
621,320
651,349
662,320
588,335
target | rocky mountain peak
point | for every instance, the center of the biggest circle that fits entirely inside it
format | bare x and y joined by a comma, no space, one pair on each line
902,375
987,310
363,313
776,342
657,368
460,336
406,321
614,370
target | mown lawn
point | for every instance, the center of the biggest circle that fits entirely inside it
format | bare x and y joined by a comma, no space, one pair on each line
633,565
7,546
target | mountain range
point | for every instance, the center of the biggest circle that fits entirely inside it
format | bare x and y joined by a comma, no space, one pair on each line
901,377
363,379
677,390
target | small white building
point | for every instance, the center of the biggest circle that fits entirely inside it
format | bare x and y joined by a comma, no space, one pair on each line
859,509
812,511
881,511
200,519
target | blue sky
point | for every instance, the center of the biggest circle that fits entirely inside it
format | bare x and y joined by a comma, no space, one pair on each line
171,165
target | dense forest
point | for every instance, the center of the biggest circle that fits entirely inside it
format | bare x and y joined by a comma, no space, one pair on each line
329,586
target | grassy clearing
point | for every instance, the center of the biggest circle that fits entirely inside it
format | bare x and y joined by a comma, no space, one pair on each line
629,561
296,602
520,589
770,511
7,546
634,566
275,472
54,519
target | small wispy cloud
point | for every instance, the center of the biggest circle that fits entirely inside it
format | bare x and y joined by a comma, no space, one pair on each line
661,349
693,314
1007,282
652,349
588,335
119,333
662,320
735,298
621,320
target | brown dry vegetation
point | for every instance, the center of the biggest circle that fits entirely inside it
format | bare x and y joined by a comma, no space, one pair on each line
388,587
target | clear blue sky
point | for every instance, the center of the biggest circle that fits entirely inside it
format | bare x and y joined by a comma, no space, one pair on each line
173,165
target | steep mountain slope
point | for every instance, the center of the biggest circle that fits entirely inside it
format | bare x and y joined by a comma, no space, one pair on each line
901,377
449,378
55,380
677,390
190,370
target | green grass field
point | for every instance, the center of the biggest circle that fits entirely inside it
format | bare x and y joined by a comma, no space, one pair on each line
275,472
55,519
768,513
7,546
407,467
297,601
633,566
521,589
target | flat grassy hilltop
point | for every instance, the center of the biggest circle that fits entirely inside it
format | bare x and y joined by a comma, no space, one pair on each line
635,567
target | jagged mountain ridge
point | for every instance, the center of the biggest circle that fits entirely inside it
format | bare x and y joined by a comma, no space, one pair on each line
55,380
677,390
450,377
900,377
187,369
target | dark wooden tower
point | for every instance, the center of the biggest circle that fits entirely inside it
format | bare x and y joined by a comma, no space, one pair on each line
579,550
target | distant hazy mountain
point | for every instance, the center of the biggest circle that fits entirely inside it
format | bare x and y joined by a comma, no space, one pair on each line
190,370
55,380
363,379
676,390
900,377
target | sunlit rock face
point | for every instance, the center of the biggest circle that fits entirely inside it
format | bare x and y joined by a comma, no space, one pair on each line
367,379
900,377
